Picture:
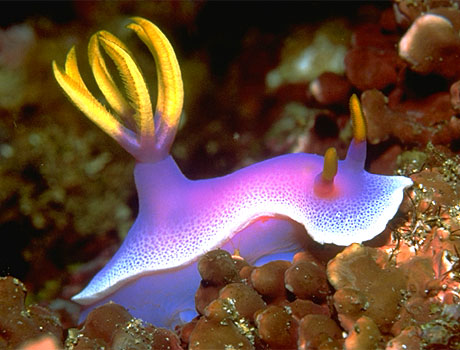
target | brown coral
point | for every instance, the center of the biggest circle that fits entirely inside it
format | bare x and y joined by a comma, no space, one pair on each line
432,43
372,62
247,300
307,280
277,327
268,279
111,326
209,334
330,88
217,268
19,323
418,122
365,335
317,331
366,285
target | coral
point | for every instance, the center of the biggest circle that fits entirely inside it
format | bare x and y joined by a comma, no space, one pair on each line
247,301
432,44
268,280
455,96
372,63
366,285
364,335
218,268
430,309
300,308
52,201
330,88
16,44
408,339
434,210
111,326
307,280
209,334
443,331
412,122
18,322
277,327
318,332
41,343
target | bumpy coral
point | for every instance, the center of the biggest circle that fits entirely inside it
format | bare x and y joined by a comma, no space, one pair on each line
246,300
307,280
432,43
364,335
209,334
366,285
43,343
20,323
318,332
372,63
277,328
268,279
330,88
111,326
411,122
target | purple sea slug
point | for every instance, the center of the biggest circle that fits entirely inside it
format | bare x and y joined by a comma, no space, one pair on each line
154,273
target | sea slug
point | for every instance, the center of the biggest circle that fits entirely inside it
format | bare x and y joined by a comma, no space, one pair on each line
154,274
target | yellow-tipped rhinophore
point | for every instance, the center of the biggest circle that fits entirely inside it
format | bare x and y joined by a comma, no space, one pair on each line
330,165
148,142
357,118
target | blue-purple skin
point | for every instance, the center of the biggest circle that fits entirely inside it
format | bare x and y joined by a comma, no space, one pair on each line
154,273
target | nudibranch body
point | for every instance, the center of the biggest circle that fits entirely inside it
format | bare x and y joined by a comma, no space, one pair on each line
154,274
